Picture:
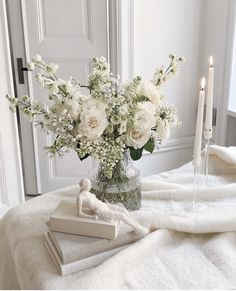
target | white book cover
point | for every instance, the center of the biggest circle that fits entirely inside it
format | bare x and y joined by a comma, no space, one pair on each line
65,219
67,269
75,247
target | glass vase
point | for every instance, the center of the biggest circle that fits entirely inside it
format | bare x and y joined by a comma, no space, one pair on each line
124,186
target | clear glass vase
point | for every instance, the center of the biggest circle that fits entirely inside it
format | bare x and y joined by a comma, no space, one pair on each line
124,186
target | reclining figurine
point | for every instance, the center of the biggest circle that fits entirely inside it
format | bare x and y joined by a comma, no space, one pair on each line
102,210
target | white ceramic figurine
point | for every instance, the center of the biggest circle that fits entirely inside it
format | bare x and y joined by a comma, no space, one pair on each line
102,210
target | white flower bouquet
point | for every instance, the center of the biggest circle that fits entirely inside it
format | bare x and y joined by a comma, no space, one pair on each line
109,120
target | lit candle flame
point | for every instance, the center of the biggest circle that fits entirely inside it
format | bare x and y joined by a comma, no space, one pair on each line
211,61
203,83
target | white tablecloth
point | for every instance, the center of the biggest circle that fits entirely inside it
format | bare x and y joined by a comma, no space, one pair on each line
183,251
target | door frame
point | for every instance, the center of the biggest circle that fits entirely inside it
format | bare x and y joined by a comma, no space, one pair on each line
11,182
26,134
121,37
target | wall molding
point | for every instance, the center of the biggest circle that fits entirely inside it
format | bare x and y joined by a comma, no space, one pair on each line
175,145
178,144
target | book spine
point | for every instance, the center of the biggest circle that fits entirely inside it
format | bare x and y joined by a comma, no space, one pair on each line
55,243
89,262
67,269
95,248
73,227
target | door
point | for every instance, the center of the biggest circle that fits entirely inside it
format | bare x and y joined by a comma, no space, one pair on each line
69,33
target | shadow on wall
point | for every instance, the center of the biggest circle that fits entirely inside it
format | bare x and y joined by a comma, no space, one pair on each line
231,136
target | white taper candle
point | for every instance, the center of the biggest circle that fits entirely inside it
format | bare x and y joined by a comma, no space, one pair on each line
199,126
209,102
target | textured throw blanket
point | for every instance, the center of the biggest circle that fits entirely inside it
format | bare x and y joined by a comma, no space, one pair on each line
3,210
184,250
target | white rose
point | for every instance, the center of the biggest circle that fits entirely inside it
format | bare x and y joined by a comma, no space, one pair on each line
137,137
151,92
93,122
163,129
145,116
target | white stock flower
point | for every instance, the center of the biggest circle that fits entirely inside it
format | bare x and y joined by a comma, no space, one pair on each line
59,86
122,127
31,66
93,119
52,87
115,119
94,104
37,105
37,59
163,129
123,109
137,137
151,92
75,108
67,86
68,107
145,116
51,69
39,78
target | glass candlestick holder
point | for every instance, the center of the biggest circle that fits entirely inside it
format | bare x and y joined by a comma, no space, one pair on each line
195,188
206,162
198,205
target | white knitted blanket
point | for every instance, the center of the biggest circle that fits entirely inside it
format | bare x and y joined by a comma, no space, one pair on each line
3,210
185,250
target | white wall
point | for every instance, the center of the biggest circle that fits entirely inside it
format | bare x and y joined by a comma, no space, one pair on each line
160,27
218,42
11,185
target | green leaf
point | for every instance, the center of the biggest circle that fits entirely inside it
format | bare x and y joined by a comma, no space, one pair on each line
84,157
135,154
149,146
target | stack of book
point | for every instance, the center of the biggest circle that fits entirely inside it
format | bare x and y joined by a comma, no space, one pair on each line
76,243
